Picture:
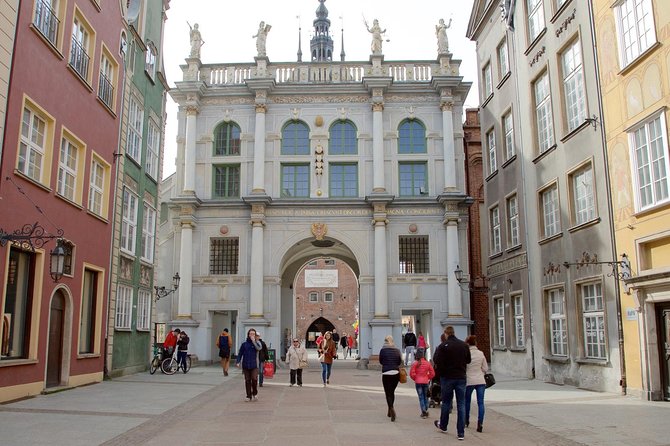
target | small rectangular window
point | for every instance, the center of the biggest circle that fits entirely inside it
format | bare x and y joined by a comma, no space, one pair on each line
491,148
535,10
343,180
494,222
129,222
153,148
295,180
224,255
226,181
573,86
32,145
544,118
508,128
593,319
649,147
513,221
558,330
499,304
135,122
67,169
413,179
551,219
148,233
313,297
124,307
487,80
503,59
413,253
583,199
87,322
328,296
96,190
143,309
635,29
519,335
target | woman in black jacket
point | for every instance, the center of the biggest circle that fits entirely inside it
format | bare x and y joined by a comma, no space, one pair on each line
391,360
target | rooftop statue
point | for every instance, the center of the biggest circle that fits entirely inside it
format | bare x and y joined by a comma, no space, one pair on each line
442,40
261,37
376,32
196,40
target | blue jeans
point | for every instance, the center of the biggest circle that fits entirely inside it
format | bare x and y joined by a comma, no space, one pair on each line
325,371
480,388
261,370
422,391
449,386
181,359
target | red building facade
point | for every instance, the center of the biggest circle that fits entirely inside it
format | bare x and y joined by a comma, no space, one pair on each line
58,171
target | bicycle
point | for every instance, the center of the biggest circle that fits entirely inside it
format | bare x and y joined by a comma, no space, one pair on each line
171,365
156,360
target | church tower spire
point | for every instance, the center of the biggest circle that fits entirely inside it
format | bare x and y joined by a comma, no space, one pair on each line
321,45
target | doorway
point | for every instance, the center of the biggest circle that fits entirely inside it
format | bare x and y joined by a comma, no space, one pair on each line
220,320
55,343
320,325
663,312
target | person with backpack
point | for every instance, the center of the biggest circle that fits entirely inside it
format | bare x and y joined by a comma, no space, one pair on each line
225,344
410,346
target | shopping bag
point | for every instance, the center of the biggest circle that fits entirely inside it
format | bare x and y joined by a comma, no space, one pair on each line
268,370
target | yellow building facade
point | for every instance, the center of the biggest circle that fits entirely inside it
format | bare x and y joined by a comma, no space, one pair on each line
633,40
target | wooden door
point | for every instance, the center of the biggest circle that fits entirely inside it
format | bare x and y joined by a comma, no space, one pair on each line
664,347
55,343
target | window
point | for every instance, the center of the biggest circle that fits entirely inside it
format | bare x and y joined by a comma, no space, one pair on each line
519,341
583,202
129,224
503,59
499,304
135,120
227,181
342,139
17,313
544,119
81,47
89,300
411,137
124,307
153,145
224,255
313,297
650,147
635,29
558,330
560,3
46,19
150,61
494,224
513,221
32,145
97,190
329,262
508,128
413,254
148,233
573,84
106,82
143,309
327,296
487,81
295,180
67,170
535,10
551,223
227,139
593,317
343,180
413,179
491,147
295,139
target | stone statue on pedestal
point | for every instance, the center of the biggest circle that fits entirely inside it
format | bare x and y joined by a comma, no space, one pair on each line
261,37
442,40
376,32
196,41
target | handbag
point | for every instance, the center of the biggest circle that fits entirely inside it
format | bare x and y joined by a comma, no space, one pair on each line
490,379
268,370
303,364
403,375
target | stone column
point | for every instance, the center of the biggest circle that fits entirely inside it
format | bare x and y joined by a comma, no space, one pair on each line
453,287
256,274
381,269
259,150
378,146
185,270
189,150
449,151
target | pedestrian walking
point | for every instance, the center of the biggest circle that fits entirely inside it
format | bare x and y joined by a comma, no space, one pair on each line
422,373
391,359
248,357
350,344
409,341
182,350
262,357
326,354
336,340
475,381
296,358
451,359
344,344
225,344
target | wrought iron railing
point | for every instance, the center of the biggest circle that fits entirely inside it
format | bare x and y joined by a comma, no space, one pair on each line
46,21
79,60
106,90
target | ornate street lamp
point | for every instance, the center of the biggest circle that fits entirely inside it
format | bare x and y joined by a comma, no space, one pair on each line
31,237
162,292
57,261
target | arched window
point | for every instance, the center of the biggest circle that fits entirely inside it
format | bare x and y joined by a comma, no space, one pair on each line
412,137
227,139
343,139
295,139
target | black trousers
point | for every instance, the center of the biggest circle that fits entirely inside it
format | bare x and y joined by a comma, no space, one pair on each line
251,381
298,373
390,382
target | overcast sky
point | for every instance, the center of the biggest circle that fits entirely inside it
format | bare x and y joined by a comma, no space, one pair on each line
227,26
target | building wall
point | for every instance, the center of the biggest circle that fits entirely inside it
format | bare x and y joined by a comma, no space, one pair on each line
8,15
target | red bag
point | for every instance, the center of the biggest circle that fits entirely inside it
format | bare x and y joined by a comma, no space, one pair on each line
268,370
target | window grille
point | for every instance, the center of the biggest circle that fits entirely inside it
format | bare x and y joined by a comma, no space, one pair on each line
414,254
224,255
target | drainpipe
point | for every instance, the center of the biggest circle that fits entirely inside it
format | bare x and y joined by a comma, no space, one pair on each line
610,212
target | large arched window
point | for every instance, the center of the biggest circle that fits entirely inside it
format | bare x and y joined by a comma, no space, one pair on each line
343,139
412,137
295,139
227,139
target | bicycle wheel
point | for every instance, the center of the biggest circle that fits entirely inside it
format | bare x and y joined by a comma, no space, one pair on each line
188,364
155,363
169,366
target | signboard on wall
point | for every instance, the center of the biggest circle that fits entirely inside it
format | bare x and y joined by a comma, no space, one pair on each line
321,278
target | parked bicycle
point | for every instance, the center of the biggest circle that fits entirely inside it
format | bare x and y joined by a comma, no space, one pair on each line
156,361
171,365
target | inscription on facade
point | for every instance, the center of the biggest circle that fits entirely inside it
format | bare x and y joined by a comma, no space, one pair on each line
277,212
518,262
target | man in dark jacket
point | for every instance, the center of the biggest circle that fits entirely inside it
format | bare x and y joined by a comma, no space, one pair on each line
248,356
409,341
451,359
263,356
336,340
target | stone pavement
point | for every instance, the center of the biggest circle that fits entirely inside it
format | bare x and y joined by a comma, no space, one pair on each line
205,408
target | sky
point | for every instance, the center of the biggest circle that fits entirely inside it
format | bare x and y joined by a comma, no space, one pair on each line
227,26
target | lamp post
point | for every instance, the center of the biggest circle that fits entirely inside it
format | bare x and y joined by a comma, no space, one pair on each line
30,237
162,292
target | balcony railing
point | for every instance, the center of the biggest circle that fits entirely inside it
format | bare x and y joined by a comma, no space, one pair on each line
106,90
46,21
79,59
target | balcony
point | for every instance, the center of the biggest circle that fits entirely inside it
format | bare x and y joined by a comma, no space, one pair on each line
79,60
106,91
46,21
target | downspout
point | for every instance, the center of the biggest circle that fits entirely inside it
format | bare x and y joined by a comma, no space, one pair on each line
617,286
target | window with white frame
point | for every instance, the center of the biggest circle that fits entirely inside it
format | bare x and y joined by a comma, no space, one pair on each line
513,220
129,223
328,296
487,80
573,85
499,305
544,118
67,169
519,336
32,145
96,188
46,19
558,330
593,319
635,29
535,9
649,144
124,307
583,200
551,220
79,57
143,309
135,119
106,81
148,233
508,129
150,62
494,221
153,144
491,147
313,297
503,59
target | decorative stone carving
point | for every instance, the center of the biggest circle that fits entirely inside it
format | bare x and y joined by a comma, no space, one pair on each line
196,41
261,108
319,230
319,99
377,32
261,36
192,109
224,230
295,113
442,40
318,160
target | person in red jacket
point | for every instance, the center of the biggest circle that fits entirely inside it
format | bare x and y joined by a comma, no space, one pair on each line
422,373
170,342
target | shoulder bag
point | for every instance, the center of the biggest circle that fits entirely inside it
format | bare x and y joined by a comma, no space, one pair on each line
490,379
403,374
